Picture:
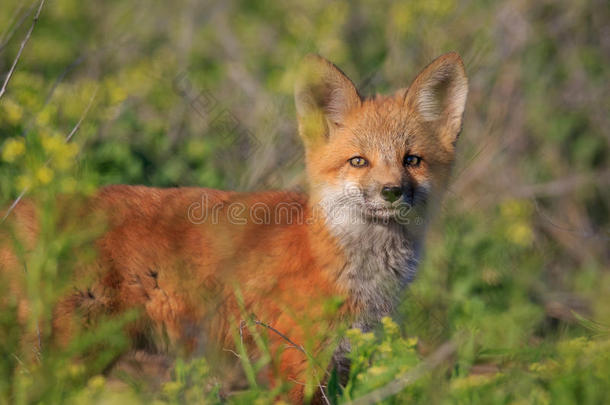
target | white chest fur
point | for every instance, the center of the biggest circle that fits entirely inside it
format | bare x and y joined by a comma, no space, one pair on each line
381,260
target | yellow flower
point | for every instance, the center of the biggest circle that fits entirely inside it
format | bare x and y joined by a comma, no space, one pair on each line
377,370
76,369
385,348
13,148
44,117
389,326
116,93
24,182
52,143
12,111
412,342
44,175
357,337
520,233
574,345
96,382
471,381
368,337
545,367
64,158
172,388
59,150
354,333
515,209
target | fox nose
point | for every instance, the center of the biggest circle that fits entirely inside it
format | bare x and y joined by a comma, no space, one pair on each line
391,193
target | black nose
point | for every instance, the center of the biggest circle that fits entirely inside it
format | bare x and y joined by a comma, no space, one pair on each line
391,193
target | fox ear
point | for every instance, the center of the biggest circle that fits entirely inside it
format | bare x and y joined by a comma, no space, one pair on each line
438,94
323,97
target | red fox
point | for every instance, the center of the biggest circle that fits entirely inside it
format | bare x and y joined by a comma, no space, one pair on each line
195,260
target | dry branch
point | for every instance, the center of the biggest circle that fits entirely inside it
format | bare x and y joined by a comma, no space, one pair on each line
21,47
11,29
298,347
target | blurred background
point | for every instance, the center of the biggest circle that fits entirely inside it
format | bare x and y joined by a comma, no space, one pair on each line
199,93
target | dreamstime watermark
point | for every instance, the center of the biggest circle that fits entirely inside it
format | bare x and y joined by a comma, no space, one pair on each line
219,119
346,209
240,143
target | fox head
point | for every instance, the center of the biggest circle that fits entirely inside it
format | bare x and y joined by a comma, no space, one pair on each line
383,157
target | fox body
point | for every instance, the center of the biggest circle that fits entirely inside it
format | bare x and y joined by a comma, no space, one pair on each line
194,260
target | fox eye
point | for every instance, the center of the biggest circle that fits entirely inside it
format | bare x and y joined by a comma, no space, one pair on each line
411,160
358,161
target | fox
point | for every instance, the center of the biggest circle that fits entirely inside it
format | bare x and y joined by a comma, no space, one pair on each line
196,262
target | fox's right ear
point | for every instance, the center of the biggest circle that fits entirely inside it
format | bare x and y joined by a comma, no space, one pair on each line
323,97
438,94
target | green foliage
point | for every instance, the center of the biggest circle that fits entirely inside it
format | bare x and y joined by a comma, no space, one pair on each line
376,362
195,93
193,383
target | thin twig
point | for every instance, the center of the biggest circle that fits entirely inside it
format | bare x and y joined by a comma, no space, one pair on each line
298,347
401,382
232,351
242,325
23,43
61,76
20,361
582,233
286,338
563,186
302,383
6,31
83,115
39,351
11,29
14,204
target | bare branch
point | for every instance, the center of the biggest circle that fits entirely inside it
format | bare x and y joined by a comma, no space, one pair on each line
13,205
82,117
21,47
280,334
298,347
11,29
563,186
232,351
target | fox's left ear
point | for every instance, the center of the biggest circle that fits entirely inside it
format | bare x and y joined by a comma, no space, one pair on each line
438,94
324,96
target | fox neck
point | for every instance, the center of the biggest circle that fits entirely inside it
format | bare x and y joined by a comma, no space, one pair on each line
379,260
